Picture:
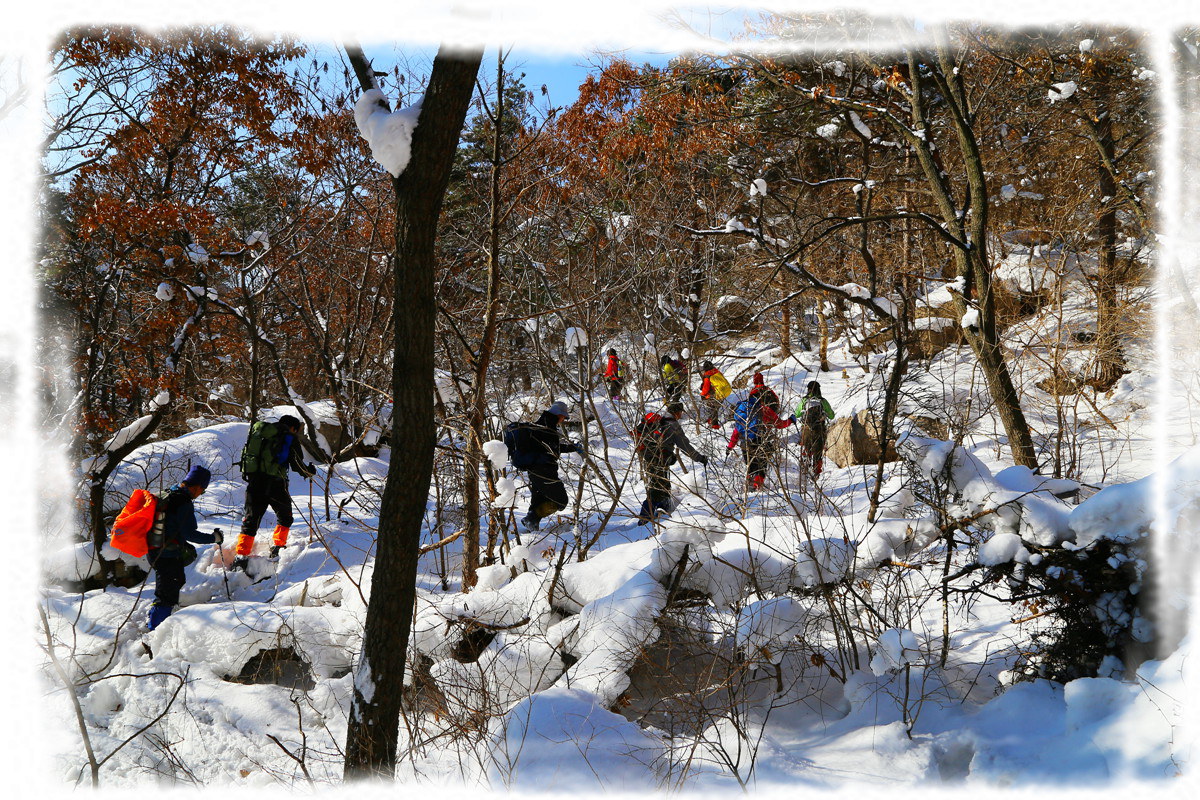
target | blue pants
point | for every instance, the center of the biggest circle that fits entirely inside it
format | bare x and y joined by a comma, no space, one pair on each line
168,580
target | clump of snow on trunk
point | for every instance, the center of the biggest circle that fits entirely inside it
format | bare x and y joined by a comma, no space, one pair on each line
496,452
388,133
896,647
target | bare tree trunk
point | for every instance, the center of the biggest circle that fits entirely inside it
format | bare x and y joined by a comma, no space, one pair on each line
473,455
785,328
1109,364
823,329
891,399
372,731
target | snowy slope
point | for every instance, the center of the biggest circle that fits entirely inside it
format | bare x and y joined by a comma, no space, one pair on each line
702,652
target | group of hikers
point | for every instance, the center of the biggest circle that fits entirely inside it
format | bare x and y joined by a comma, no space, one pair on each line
274,448
171,531
536,447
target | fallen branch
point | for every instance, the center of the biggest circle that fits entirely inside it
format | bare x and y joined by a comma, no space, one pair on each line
429,548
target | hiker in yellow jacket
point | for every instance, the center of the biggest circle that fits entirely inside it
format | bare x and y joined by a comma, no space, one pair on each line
713,391
674,378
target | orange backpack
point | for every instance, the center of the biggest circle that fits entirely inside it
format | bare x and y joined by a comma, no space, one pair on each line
135,522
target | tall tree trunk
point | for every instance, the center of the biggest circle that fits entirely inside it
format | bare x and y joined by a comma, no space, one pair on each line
1109,364
823,333
372,731
785,329
473,454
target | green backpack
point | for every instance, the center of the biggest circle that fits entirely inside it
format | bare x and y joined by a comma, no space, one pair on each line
261,453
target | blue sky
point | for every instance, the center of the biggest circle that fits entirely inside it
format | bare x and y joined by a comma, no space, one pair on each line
562,74
559,49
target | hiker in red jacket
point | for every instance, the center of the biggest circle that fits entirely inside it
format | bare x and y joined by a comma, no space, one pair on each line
766,398
754,426
614,375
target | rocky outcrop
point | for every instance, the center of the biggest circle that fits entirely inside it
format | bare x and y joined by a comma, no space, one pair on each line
734,313
855,440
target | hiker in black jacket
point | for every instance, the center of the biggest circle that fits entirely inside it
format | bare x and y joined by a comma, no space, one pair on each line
170,541
547,493
661,435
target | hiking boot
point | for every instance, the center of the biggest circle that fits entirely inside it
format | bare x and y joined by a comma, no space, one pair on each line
239,563
530,523
274,551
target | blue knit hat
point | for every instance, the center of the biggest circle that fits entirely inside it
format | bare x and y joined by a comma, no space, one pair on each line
198,476
559,408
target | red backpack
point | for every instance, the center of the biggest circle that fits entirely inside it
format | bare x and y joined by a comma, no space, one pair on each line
648,433
134,523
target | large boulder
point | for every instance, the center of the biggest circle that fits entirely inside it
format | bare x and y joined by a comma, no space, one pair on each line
734,313
855,440
933,334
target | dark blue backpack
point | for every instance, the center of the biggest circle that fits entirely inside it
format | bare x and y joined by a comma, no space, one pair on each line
747,419
525,448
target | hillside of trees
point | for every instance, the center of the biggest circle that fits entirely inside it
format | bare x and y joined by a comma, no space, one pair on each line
957,235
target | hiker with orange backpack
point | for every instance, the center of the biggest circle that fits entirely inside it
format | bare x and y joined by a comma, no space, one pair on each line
270,450
656,437
170,541
713,391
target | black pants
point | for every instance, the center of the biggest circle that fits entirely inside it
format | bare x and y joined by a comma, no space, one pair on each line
657,476
168,579
614,388
674,391
263,491
547,492
758,454
712,410
812,447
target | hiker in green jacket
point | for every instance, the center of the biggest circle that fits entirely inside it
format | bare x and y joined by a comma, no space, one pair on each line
270,450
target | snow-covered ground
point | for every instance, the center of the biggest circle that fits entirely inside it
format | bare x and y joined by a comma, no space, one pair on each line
770,639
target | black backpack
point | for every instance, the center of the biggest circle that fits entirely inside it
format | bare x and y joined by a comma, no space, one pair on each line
814,414
526,443
650,438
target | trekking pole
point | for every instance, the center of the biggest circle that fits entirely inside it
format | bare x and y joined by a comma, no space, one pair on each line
224,569
310,511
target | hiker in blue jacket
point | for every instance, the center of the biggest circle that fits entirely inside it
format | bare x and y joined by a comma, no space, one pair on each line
170,541
754,427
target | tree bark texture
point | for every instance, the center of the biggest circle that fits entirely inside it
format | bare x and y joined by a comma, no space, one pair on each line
473,452
373,728
1109,364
